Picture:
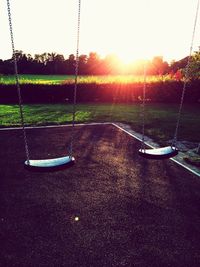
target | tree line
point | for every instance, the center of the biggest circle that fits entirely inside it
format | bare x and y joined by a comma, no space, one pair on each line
92,64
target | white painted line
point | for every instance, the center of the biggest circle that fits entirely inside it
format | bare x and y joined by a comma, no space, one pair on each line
55,126
132,135
176,161
186,167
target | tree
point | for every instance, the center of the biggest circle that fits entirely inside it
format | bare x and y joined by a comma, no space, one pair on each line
70,64
18,55
93,63
178,65
55,63
158,66
83,59
194,66
24,62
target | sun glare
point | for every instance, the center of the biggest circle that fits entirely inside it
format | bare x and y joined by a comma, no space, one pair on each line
126,58
139,29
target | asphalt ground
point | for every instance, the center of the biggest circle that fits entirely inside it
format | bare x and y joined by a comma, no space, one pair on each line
112,208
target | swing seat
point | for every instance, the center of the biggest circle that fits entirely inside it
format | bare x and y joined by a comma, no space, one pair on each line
49,164
159,153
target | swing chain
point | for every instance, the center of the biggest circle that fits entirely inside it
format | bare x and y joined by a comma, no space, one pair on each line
17,81
174,142
143,108
76,79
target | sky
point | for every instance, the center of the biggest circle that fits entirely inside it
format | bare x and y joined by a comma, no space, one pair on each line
131,29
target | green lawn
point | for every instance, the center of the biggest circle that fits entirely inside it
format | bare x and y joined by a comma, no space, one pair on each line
160,118
69,79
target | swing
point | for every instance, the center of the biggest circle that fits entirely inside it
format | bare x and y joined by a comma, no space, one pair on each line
154,153
53,164
168,151
159,153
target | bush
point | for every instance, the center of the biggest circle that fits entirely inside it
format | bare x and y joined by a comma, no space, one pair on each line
161,92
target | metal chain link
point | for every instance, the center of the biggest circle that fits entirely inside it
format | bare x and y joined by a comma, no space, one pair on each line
76,79
174,142
17,82
143,109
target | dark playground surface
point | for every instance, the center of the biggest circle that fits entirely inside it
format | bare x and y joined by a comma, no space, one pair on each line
130,211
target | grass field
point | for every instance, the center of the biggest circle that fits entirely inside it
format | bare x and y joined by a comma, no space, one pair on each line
160,118
68,79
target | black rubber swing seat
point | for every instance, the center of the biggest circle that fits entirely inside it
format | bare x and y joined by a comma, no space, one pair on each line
54,164
159,153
